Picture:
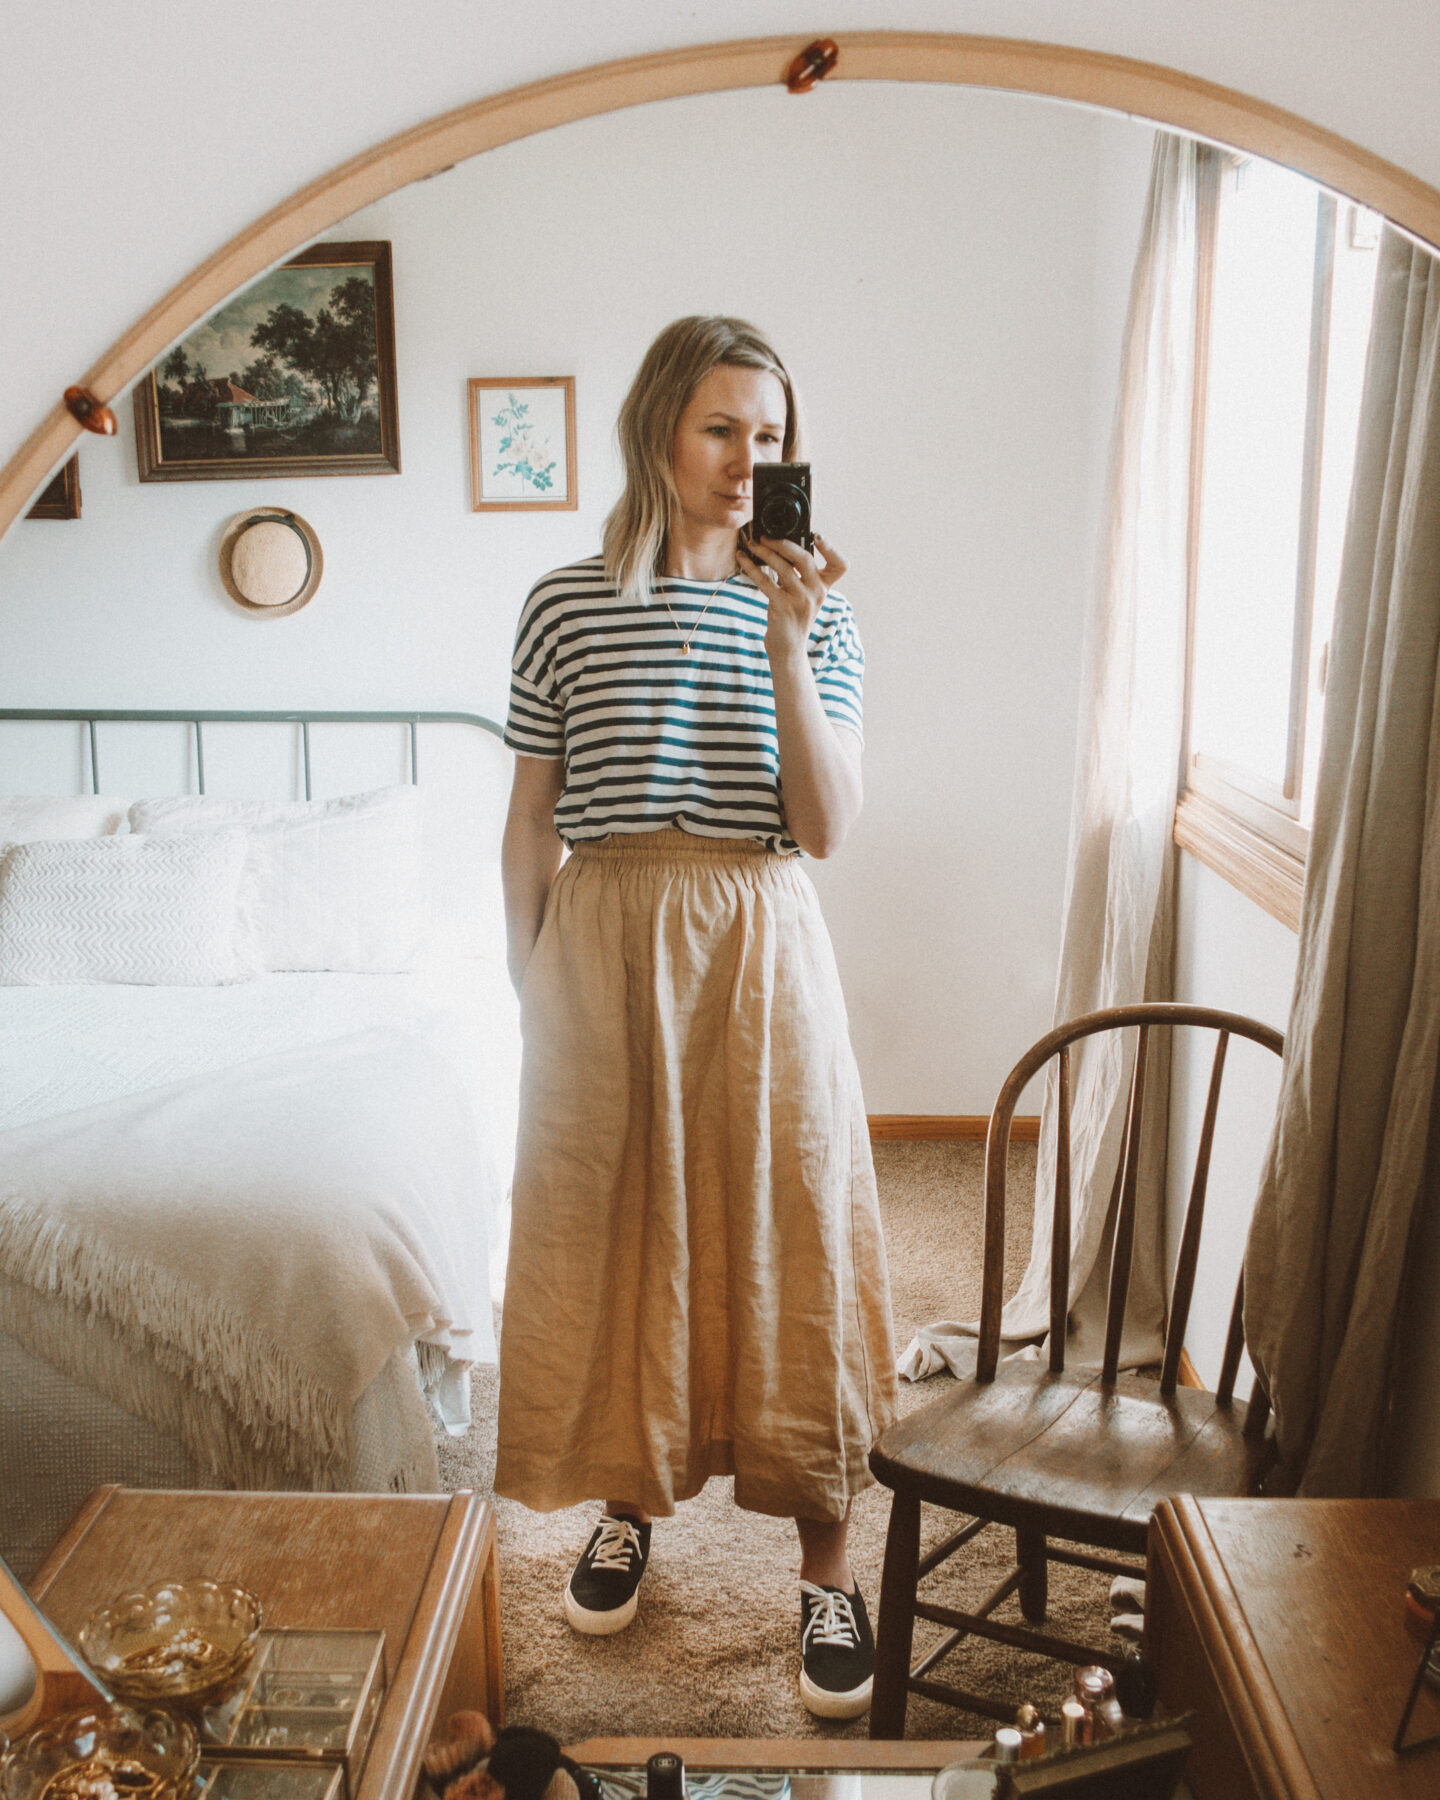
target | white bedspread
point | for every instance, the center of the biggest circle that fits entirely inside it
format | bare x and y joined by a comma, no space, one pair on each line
268,1187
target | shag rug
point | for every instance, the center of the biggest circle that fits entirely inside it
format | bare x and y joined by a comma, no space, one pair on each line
714,1650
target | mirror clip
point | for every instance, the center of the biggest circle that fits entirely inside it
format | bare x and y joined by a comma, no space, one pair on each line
812,65
81,404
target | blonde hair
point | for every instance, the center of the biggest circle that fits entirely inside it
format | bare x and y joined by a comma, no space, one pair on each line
673,367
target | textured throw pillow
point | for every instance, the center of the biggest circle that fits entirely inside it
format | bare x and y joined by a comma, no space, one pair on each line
330,884
154,911
22,820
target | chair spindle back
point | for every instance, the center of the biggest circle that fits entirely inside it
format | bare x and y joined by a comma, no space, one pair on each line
1122,1251
1125,1196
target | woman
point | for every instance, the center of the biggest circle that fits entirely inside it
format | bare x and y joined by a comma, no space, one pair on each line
697,1279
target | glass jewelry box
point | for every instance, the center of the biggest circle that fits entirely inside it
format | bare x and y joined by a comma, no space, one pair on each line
309,1698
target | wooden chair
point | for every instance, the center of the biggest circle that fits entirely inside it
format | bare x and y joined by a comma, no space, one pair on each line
1081,1455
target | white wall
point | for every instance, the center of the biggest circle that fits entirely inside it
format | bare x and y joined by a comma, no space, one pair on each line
149,134
946,273
1228,954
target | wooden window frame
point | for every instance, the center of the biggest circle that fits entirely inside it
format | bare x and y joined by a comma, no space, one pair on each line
1245,828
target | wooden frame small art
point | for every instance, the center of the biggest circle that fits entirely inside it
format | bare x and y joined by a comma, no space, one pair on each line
60,499
522,444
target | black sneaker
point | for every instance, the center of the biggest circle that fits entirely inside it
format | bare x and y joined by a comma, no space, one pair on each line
603,1592
837,1652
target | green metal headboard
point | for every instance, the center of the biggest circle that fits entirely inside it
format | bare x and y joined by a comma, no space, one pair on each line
200,717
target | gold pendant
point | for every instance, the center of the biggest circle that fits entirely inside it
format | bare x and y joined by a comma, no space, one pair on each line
685,649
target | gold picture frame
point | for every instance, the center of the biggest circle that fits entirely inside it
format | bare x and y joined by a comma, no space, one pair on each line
522,444
294,376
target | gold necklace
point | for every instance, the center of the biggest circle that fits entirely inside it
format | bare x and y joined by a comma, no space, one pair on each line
686,642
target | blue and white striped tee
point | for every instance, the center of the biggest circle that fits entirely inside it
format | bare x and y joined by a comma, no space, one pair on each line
651,737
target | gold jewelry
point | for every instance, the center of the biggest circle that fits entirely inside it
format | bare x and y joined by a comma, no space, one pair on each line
685,643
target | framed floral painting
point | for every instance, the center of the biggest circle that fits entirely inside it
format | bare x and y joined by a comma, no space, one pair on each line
294,376
522,444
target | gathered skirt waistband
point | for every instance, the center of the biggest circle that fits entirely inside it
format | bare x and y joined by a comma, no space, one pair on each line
670,844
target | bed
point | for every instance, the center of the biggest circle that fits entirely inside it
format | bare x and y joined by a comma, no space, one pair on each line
248,1206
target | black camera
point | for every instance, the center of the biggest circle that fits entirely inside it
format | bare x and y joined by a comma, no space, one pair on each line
782,502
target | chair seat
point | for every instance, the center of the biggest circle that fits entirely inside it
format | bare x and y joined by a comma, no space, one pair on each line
1096,1460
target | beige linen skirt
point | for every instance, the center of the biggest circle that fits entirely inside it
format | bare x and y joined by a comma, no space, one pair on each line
697,1280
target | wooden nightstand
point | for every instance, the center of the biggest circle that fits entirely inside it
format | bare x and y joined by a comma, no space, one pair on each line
1280,1624
421,1567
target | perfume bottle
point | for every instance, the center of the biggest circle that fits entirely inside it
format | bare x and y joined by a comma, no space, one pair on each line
1095,1690
1135,1686
1077,1724
1032,1732
665,1777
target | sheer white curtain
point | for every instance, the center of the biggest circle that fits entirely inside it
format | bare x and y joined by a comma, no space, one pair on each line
1116,931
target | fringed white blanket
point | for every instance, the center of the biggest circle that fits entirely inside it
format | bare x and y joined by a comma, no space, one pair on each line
260,1239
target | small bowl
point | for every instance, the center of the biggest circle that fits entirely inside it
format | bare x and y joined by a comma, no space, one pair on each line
103,1753
179,1642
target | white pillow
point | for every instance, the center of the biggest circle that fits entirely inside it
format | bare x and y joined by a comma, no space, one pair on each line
330,884
22,821
156,911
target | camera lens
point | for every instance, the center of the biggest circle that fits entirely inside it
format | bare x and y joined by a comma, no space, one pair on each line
783,515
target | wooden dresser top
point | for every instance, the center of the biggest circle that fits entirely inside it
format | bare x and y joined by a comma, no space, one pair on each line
1301,1607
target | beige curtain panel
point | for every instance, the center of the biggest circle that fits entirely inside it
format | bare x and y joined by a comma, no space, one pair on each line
1341,1196
1117,926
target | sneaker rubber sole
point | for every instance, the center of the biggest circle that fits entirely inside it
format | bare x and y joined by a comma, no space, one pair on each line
826,1704
599,1624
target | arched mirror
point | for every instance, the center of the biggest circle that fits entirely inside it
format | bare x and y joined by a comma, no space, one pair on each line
947,271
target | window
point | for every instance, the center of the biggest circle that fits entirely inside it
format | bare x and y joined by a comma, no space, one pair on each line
1287,276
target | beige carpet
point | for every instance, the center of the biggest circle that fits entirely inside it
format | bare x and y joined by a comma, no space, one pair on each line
714,1650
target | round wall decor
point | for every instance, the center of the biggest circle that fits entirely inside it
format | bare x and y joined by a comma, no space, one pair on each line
270,561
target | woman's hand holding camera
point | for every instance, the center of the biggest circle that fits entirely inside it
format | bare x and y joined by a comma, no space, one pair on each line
795,585
819,762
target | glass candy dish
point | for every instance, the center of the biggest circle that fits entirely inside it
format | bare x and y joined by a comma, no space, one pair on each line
184,1643
103,1753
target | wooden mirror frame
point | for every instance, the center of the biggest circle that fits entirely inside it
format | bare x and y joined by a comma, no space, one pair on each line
62,1680
1150,91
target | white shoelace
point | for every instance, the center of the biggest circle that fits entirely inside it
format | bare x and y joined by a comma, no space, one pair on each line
831,1620
619,1541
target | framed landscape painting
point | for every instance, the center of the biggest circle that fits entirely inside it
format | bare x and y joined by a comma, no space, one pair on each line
296,376
522,444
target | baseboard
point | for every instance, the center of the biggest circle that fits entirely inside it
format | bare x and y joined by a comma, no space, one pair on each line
947,1127
1186,1373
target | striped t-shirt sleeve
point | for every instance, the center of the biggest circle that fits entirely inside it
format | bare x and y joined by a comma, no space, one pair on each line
838,659
535,725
